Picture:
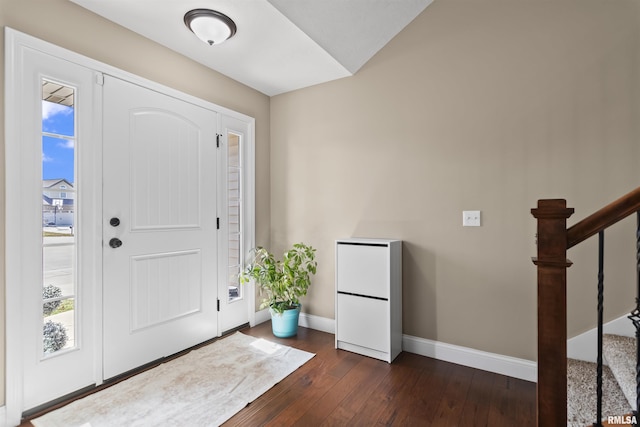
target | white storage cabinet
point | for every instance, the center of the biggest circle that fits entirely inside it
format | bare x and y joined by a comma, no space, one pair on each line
369,297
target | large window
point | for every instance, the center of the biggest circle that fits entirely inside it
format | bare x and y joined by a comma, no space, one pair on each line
59,285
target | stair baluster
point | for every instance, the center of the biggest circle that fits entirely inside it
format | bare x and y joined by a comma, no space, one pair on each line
598,422
635,318
637,325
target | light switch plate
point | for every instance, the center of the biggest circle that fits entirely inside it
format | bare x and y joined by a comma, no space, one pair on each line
471,218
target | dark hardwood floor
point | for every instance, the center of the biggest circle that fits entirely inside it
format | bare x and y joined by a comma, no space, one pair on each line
339,388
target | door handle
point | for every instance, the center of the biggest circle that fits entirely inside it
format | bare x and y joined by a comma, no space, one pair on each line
115,243
114,222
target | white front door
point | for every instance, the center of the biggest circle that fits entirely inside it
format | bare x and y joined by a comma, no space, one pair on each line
159,225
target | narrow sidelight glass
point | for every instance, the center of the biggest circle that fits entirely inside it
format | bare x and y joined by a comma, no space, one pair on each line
59,246
234,203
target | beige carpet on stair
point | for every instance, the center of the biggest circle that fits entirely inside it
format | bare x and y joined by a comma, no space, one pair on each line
202,388
581,394
620,353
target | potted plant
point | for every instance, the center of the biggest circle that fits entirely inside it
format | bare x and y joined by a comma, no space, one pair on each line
282,283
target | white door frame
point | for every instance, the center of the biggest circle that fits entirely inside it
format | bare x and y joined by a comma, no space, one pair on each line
15,41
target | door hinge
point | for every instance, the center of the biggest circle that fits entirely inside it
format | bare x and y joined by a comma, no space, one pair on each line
217,223
218,304
218,140
99,79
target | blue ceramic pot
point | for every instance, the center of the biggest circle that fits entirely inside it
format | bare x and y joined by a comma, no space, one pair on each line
285,324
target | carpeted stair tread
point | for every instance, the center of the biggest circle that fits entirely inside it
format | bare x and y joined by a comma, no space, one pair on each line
620,354
581,394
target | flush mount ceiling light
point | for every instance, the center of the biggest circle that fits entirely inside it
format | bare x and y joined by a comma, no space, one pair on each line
210,26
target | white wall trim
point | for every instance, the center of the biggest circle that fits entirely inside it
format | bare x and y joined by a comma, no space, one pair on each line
3,416
584,346
13,259
505,365
492,362
318,323
262,316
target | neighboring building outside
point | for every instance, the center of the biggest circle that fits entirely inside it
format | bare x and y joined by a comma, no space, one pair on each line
58,202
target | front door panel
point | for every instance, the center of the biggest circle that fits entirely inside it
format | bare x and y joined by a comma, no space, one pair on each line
160,243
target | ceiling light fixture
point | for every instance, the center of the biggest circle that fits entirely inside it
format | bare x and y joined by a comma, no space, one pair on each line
210,26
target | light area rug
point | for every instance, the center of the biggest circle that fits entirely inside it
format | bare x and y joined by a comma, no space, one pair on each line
205,387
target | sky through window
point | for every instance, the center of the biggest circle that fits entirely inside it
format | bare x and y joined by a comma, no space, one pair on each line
57,150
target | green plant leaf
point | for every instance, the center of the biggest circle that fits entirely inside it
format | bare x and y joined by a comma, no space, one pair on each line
281,282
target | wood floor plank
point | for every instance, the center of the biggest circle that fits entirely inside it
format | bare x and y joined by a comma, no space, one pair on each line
349,361
426,395
385,394
506,407
399,401
323,381
524,402
349,395
476,408
454,398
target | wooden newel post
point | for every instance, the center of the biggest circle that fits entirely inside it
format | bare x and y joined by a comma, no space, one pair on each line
552,266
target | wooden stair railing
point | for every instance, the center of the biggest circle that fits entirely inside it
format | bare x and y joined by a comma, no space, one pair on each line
553,241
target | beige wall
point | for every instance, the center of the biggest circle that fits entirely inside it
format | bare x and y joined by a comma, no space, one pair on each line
477,105
65,24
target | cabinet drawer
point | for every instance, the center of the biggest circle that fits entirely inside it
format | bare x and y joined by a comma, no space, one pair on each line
363,269
363,321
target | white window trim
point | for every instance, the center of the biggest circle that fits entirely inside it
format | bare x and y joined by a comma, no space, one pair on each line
249,211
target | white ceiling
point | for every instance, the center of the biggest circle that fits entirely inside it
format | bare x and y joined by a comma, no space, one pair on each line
281,45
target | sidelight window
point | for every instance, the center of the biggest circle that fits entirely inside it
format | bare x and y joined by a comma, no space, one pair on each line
234,206
59,279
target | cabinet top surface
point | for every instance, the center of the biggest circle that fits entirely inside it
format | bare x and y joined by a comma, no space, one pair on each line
366,240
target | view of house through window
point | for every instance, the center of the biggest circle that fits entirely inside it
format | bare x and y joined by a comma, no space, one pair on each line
58,217
234,203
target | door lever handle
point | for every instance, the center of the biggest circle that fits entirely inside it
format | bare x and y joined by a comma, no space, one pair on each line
115,243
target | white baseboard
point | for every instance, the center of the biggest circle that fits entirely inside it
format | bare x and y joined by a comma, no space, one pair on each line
262,316
584,346
497,363
318,323
3,416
